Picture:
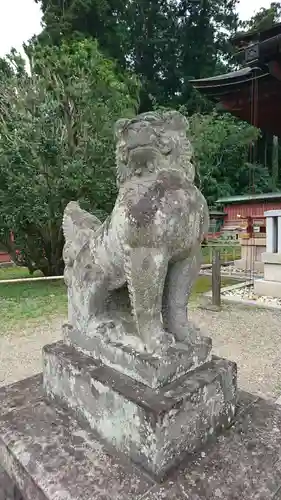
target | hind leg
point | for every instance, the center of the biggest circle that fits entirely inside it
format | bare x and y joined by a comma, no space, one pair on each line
146,270
179,282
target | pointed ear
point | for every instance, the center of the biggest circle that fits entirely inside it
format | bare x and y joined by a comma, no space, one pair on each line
120,125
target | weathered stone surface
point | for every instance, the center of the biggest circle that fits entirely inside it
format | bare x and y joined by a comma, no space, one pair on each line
51,457
245,400
155,429
170,491
19,395
8,489
64,461
244,464
129,278
150,369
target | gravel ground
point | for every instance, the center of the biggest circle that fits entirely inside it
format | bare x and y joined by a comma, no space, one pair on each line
20,350
251,337
247,293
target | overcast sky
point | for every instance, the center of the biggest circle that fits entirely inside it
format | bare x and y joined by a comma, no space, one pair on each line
20,19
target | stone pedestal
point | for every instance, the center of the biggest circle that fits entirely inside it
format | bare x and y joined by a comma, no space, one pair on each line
251,254
155,428
48,455
271,284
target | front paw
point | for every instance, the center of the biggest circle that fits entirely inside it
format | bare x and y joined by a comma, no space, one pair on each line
160,342
188,334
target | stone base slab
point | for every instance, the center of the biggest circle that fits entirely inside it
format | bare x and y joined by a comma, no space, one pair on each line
272,272
154,428
247,265
267,288
271,258
150,369
51,457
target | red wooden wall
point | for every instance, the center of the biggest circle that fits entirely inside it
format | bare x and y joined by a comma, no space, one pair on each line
4,257
255,209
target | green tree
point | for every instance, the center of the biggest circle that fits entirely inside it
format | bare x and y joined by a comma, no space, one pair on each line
206,27
264,19
57,144
165,42
102,20
222,147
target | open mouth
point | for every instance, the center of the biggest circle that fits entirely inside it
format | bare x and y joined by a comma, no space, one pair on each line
146,151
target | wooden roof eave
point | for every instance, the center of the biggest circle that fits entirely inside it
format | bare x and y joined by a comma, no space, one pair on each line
218,87
234,76
248,198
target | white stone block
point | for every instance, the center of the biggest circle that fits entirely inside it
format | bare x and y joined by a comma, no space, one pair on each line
270,235
268,288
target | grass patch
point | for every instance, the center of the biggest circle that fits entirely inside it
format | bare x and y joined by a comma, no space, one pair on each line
15,272
204,284
40,300
26,301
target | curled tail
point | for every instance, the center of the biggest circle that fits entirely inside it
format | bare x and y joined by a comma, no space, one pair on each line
79,227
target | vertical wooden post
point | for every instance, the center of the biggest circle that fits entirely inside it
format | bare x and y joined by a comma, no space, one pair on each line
275,161
216,278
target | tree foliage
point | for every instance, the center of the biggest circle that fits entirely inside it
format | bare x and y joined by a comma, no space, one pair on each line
264,19
165,42
223,148
56,144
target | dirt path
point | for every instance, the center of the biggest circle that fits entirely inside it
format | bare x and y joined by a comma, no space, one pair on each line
252,338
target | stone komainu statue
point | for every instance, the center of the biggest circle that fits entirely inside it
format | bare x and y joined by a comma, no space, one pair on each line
149,247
